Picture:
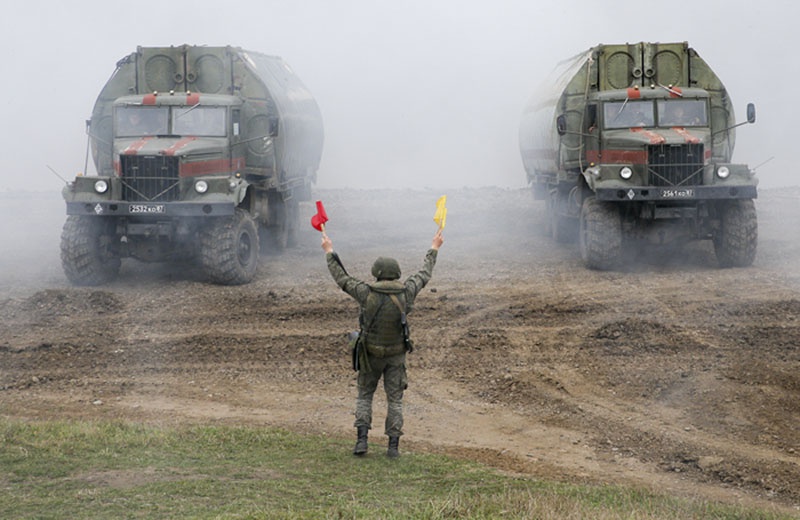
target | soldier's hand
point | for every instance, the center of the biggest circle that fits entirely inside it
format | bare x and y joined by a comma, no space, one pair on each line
438,240
327,244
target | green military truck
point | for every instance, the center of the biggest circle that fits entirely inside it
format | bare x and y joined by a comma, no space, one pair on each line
632,144
202,154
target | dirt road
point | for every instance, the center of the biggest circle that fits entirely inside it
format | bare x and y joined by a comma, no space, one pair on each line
672,375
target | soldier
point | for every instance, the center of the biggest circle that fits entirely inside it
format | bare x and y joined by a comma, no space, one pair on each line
383,306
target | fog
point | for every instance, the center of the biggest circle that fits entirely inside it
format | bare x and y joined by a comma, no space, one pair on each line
413,93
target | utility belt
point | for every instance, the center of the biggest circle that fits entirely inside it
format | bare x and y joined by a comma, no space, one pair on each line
380,351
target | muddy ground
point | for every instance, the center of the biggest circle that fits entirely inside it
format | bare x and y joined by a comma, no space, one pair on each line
671,374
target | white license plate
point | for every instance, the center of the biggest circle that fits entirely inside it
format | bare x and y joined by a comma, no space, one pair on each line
677,194
147,208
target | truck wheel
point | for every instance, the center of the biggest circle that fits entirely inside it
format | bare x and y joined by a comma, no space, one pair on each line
736,241
229,249
600,234
89,255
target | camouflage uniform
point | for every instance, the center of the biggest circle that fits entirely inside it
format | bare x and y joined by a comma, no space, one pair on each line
384,340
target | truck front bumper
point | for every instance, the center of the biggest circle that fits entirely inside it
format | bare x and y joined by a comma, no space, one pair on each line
151,209
675,193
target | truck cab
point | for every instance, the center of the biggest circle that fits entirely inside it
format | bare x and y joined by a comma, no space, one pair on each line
178,148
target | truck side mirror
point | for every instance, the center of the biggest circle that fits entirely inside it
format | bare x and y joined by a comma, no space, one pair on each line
751,113
561,124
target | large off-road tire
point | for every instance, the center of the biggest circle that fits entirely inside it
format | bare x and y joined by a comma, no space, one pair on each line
229,249
600,234
737,239
89,250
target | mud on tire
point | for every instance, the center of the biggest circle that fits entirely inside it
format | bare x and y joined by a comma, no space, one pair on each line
737,239
89,254
600,234
229,249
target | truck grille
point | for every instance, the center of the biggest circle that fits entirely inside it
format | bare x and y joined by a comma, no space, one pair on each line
675,165
148,178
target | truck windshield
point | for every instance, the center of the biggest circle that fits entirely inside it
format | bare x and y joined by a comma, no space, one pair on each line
135,121
199,121
626,114
138,121
682,112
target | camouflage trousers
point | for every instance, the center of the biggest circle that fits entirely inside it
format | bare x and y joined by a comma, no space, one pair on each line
395,381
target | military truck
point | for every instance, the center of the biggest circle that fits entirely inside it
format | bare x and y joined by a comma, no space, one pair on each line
202,154
630,145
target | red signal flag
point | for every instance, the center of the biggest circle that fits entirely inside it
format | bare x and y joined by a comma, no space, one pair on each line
318,221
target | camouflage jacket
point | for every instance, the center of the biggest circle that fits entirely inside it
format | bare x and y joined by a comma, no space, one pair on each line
373,299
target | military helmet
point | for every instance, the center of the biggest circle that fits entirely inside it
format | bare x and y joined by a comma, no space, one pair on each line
386,268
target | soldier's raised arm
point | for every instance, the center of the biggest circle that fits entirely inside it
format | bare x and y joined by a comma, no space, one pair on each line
416,282
438,240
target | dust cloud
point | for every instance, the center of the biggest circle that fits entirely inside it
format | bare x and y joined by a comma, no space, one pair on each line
30,239
365,224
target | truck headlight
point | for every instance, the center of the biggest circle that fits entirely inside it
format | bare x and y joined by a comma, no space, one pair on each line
723,172
100,186
626,173
201,186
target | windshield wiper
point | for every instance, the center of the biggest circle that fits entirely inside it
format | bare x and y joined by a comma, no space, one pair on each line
621,109
184,113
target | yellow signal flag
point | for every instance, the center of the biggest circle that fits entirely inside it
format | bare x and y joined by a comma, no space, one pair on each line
440,217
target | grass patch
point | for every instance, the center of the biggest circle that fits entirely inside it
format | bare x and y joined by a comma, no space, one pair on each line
121,470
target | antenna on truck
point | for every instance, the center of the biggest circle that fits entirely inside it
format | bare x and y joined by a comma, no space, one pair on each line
56,174
88,144
763,163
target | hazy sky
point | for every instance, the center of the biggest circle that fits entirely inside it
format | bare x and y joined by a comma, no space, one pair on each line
420,93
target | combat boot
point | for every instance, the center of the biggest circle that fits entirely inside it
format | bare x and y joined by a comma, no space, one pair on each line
361,442
393,451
